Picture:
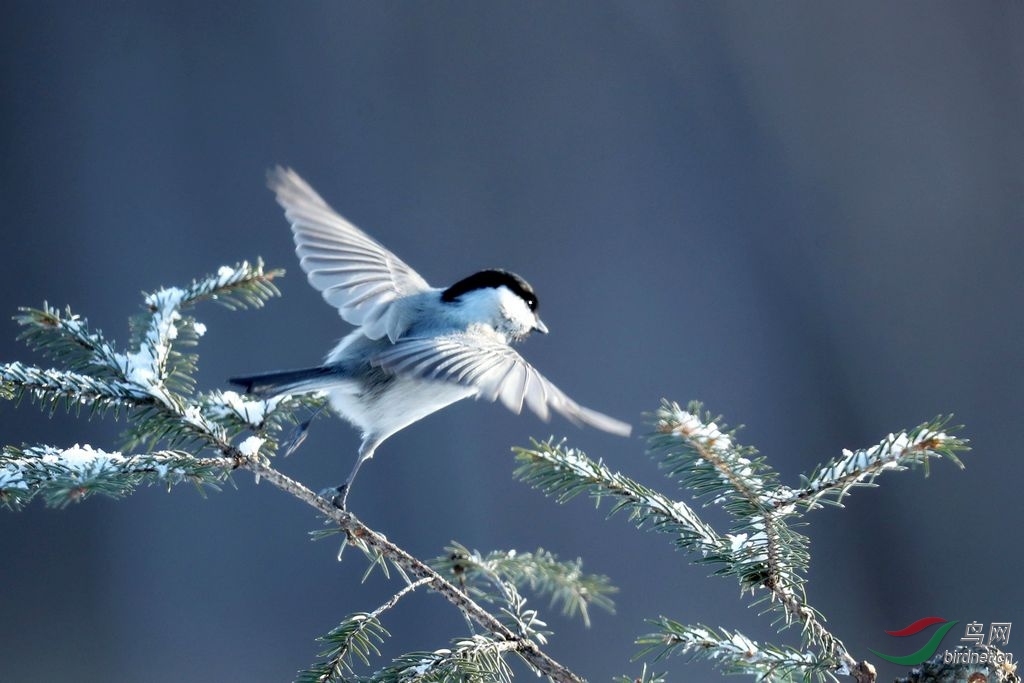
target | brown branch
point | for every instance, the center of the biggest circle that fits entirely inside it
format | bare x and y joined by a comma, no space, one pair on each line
393,600
172,405
528,649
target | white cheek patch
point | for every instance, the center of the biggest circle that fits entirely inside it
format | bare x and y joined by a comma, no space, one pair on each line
498,307
515,309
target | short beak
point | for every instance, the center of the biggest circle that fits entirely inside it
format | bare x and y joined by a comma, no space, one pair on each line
540,326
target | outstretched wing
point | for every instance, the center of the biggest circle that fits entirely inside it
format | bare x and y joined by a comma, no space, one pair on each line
355,273
496,371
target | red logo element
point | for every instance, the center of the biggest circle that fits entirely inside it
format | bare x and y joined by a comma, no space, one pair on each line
919,625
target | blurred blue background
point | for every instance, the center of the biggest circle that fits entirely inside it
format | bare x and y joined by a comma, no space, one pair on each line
807,215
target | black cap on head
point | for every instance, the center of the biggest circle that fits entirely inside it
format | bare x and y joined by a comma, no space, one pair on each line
492,278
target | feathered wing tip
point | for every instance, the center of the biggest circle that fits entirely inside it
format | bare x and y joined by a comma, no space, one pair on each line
289,187
353,272
604,422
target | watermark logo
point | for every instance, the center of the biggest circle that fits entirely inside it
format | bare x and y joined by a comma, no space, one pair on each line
974,634
930,647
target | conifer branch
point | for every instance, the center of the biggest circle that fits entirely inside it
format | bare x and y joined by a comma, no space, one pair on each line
697,452
356,637
735,653
417,569
244,285
63,476
644,677
541,572
767,552
832,481
152,382
56,388
475,658
66,336
762,550
563,473
702,456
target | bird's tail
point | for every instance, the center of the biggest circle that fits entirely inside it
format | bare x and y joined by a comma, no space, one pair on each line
290,381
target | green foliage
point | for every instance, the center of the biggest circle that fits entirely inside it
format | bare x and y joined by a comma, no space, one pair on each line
477,658
55,389
833,480
151,383
762,549
541,572
71,475
494,578
734,653
644,677
355,638
766,552
564,473
67,337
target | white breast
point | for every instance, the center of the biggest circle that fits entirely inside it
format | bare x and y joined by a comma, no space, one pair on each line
405,401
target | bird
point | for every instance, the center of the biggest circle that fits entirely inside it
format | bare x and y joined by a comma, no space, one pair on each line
415,348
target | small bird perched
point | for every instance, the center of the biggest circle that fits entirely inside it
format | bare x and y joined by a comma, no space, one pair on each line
416,348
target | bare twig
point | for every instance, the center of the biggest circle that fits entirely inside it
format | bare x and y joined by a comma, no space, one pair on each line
393,600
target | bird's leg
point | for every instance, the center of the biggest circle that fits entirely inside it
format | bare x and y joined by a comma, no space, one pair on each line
366,450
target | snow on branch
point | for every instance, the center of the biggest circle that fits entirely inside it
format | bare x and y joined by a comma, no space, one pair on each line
151,383
267,416
705,457
475,658
644,677
67,336
761,549
735,653
63,476
249,412
155,362
54,388
832,481
244,285
151,380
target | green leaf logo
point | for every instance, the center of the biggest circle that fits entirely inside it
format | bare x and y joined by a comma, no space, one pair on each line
930,647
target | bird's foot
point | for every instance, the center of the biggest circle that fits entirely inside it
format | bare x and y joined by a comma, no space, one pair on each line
337,496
